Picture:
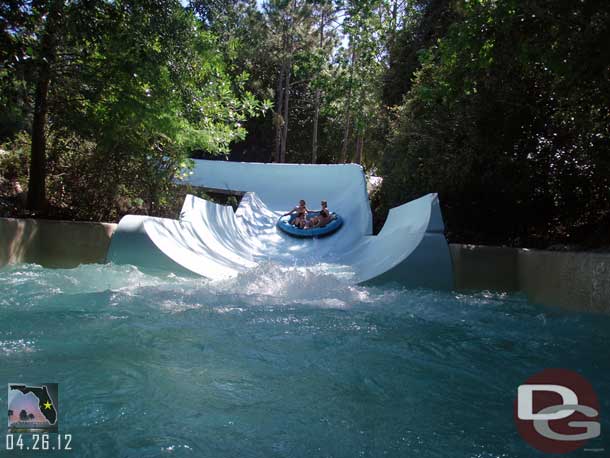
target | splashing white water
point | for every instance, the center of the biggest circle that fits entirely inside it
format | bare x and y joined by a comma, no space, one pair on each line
267,284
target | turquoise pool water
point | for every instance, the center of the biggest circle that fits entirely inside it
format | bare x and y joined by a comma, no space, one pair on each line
284,363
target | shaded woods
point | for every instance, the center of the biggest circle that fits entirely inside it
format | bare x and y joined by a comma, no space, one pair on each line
501,106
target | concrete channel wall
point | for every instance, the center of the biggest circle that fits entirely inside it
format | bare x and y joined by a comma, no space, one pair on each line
576,280
62,244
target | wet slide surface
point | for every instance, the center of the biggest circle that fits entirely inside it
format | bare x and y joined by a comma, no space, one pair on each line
216,242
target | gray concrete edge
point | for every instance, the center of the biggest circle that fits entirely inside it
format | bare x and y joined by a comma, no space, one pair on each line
49,243
575,280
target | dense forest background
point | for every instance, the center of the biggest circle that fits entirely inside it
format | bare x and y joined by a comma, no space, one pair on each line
500,106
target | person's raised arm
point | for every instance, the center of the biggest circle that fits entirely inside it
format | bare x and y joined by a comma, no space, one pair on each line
290,212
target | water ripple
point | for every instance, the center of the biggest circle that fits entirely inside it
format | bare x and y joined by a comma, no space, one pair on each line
283,361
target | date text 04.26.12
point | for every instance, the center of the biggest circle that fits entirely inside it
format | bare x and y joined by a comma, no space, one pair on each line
40,442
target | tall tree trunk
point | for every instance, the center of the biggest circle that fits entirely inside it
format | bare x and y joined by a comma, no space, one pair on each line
285,126
361,152
358,152
36,184
348,102
277,116
394,26
346,131
359,131
316,114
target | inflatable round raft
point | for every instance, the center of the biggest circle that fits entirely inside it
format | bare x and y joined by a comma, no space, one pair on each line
285,225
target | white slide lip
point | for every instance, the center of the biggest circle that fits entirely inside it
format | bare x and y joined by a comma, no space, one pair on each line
215,242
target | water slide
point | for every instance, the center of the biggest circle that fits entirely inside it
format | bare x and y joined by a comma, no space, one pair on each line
215,242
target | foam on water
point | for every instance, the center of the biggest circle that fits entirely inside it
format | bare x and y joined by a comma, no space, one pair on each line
284,361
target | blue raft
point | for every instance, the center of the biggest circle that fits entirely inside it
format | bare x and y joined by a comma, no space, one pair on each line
285,225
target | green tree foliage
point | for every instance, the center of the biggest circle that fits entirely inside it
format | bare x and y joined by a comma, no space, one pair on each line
508,119
501,106
296,52
363,64
131,88
423,23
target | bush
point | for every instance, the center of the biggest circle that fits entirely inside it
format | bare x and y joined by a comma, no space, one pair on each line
510,131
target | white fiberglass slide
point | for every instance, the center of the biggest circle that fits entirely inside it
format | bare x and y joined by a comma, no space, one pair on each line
213,241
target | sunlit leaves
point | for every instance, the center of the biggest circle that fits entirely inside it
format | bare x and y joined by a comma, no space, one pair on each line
505,119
